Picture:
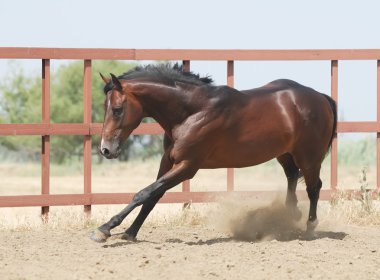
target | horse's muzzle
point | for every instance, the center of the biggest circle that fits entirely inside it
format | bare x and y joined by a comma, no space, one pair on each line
107,153
109,150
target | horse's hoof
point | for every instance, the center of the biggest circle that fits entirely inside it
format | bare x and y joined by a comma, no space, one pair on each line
128,237
310,231
310,235
99,236
311,225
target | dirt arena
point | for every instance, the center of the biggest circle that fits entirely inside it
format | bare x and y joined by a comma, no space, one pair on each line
218,242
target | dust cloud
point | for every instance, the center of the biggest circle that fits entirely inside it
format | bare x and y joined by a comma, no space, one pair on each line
254,220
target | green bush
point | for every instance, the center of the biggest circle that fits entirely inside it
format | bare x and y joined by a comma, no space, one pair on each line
358,152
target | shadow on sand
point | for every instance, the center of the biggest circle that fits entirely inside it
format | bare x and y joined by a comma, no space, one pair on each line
302,236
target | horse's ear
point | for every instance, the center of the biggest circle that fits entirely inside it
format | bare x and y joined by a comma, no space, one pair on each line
184,86
105,80
116,83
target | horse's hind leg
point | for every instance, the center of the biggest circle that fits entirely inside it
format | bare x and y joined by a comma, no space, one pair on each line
292,174
313,187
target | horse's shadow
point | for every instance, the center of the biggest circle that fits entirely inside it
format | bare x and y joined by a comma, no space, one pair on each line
202,242
326,234
122,243
301,236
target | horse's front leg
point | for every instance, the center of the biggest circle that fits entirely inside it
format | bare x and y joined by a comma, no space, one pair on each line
131,233
179,172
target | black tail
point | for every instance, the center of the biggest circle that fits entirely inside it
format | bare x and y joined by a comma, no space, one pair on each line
333,108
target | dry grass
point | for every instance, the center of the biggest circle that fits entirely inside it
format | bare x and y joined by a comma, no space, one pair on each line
72,218
362,209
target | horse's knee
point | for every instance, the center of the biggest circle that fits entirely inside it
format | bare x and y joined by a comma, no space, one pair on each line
139,197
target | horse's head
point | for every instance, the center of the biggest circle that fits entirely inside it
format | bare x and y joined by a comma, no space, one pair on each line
123,113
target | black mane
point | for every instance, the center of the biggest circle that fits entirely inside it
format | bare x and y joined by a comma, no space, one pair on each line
162,73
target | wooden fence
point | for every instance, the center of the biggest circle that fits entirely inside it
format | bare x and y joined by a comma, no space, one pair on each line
45,129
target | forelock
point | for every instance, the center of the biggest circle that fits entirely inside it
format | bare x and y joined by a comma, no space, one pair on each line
108,87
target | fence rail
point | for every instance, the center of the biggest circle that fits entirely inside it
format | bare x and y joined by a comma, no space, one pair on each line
45,129
175,54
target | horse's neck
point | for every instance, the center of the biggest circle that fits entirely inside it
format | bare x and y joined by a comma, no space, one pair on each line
167,105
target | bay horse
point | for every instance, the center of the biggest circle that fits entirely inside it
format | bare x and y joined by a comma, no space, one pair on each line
209,126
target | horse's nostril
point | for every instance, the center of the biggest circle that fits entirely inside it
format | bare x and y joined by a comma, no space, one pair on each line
105,152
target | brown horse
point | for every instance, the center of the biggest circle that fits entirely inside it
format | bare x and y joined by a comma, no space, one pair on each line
210,126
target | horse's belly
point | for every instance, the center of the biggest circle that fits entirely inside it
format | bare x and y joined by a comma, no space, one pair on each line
242,155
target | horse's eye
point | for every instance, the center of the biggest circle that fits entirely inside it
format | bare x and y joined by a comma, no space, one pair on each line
117,112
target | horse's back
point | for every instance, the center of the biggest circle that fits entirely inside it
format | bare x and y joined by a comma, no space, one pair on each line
278,85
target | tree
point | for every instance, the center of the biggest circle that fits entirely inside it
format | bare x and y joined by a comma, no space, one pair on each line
20,102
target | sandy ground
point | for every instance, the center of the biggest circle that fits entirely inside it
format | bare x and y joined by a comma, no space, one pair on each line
273,248
189,253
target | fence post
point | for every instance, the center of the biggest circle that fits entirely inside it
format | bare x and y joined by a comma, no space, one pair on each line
334,144
45,149
378,125
186,68
87,118
230,82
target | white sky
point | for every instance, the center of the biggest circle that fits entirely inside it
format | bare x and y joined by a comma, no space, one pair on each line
202,24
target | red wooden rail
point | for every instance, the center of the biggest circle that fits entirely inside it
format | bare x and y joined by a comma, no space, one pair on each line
87,128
